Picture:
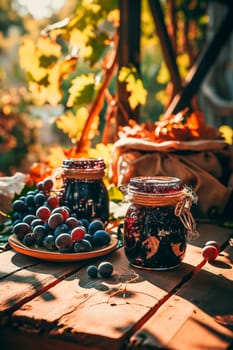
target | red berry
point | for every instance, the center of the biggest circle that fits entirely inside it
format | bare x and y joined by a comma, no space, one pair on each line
47,184
213,243
209,252
63,211
52,202
78,233
43,213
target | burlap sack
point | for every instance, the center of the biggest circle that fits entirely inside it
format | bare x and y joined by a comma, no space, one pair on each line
206,166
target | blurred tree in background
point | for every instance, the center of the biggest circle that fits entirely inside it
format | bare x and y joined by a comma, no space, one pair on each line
71,60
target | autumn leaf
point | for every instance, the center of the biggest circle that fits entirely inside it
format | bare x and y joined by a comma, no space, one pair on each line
50,90
138,93
101,150
163,75
31,66
54,93
227,133
99,44
67,66
55,157
114,17
134,85
115,194
81,90
47,47
183,64
162,97
125,72
80,40
72,124
92,6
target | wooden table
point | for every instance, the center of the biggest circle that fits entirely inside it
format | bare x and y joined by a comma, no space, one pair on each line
48,305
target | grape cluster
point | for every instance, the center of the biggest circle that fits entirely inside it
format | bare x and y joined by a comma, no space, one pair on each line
39,220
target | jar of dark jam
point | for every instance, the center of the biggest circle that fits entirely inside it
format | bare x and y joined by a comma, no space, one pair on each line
83,189
157,222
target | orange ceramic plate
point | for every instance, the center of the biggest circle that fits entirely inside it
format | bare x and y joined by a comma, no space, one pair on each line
44,254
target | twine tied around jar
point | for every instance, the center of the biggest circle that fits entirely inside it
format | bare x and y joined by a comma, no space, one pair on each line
182,210
79,174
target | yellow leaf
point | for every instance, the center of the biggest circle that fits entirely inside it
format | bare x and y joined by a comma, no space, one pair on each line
227,133
101,150
114,17
125,72
54,93
162,97
48,47
138,93
183,64
134,86
55,157
71,125
28,50
91,6
80,39
79,84
38,93
163,76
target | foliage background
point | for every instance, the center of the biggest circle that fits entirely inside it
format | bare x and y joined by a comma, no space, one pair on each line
45,100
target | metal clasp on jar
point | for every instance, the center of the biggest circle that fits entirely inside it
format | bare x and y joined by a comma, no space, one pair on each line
183,206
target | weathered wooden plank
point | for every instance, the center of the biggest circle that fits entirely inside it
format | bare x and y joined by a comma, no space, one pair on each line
199,315
23,277
179,324
106,312
98,311
11,262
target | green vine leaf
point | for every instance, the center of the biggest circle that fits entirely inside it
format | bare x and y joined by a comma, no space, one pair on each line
82,90
134,85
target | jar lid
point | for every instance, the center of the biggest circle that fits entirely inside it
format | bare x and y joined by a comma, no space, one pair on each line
84,164
155,185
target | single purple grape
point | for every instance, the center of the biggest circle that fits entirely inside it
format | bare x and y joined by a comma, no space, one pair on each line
21,229
101,237
105,269
92,271
49,242
29,239
64,240
55,220
94,226
82,246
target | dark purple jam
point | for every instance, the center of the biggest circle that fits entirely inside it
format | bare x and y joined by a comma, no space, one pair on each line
84,191
154,237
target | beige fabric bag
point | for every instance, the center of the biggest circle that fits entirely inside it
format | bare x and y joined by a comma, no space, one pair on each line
206,166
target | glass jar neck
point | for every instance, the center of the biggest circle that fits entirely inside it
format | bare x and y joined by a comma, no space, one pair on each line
83,168
155,191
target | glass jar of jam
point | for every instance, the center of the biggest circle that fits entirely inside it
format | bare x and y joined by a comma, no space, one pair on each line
83,189
158,222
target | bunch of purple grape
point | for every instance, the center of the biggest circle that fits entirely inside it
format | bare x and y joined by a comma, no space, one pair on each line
39,220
